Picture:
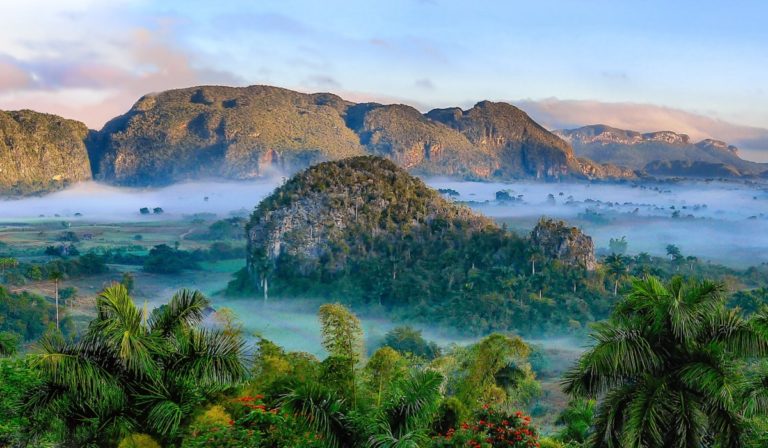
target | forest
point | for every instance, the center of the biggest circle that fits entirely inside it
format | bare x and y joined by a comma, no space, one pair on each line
672,365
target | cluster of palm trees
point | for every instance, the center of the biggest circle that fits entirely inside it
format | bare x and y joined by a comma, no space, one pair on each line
133,370
669,368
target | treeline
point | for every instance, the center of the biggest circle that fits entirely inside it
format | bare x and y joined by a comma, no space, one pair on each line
672,366
27,316
167,381
431,274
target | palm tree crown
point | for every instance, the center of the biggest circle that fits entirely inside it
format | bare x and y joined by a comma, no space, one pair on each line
134,371
666,368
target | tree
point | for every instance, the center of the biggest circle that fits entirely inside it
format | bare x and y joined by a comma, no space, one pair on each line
486,366
7,263
576,419
384,365
132,371
618,245
57,276
665,367
343,340
407,412
128,281
9,343
407,339
616,266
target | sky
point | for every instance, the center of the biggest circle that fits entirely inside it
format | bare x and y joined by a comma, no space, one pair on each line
698,67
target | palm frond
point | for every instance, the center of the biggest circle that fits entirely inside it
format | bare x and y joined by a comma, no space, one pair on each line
212,358
185,310
321,410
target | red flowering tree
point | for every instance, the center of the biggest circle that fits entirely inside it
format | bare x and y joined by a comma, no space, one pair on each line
491,429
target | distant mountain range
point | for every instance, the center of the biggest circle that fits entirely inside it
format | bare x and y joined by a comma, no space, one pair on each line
241,133
663,153
214,132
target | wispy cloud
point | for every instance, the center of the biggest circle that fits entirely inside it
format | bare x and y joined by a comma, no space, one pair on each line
94,89
425,83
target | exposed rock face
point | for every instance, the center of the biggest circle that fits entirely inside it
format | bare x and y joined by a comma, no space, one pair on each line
569,245
221,132
517,145
659,153
41,152
596,170
240,133
417,143
333,204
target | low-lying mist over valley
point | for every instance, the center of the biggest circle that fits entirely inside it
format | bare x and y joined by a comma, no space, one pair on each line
725,222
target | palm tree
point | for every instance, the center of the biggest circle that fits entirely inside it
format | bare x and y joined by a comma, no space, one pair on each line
132,371
324,411
665,366
405,418
616,265
577,420
56,276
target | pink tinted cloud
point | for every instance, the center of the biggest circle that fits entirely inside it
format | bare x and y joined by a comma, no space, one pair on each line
13,76
559,114
93,90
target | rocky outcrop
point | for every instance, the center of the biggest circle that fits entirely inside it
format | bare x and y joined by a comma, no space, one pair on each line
241,133
596,170
659,152
333,205
568,245
517,145
221,132
41,152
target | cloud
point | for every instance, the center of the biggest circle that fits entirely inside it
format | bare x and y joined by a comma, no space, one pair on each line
322,82
94,88
265,23
560,114
425,84
12,76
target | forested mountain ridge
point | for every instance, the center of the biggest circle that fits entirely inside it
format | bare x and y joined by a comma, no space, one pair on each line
41,152
660,153
364,229
245,132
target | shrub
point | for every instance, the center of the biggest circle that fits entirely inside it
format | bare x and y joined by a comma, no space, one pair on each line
138,441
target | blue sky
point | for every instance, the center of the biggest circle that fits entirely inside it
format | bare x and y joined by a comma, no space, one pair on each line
697,67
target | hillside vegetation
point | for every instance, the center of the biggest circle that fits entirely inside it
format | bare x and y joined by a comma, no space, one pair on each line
246,132
365,229
41,152
662,153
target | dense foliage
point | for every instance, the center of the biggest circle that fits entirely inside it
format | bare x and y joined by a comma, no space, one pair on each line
132,372
27,315
668,368
380,237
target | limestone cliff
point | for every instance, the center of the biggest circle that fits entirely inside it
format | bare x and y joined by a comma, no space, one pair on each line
41,152
662,153
241,133
558,241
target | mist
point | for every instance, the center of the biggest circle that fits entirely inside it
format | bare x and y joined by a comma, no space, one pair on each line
724,222
99,202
